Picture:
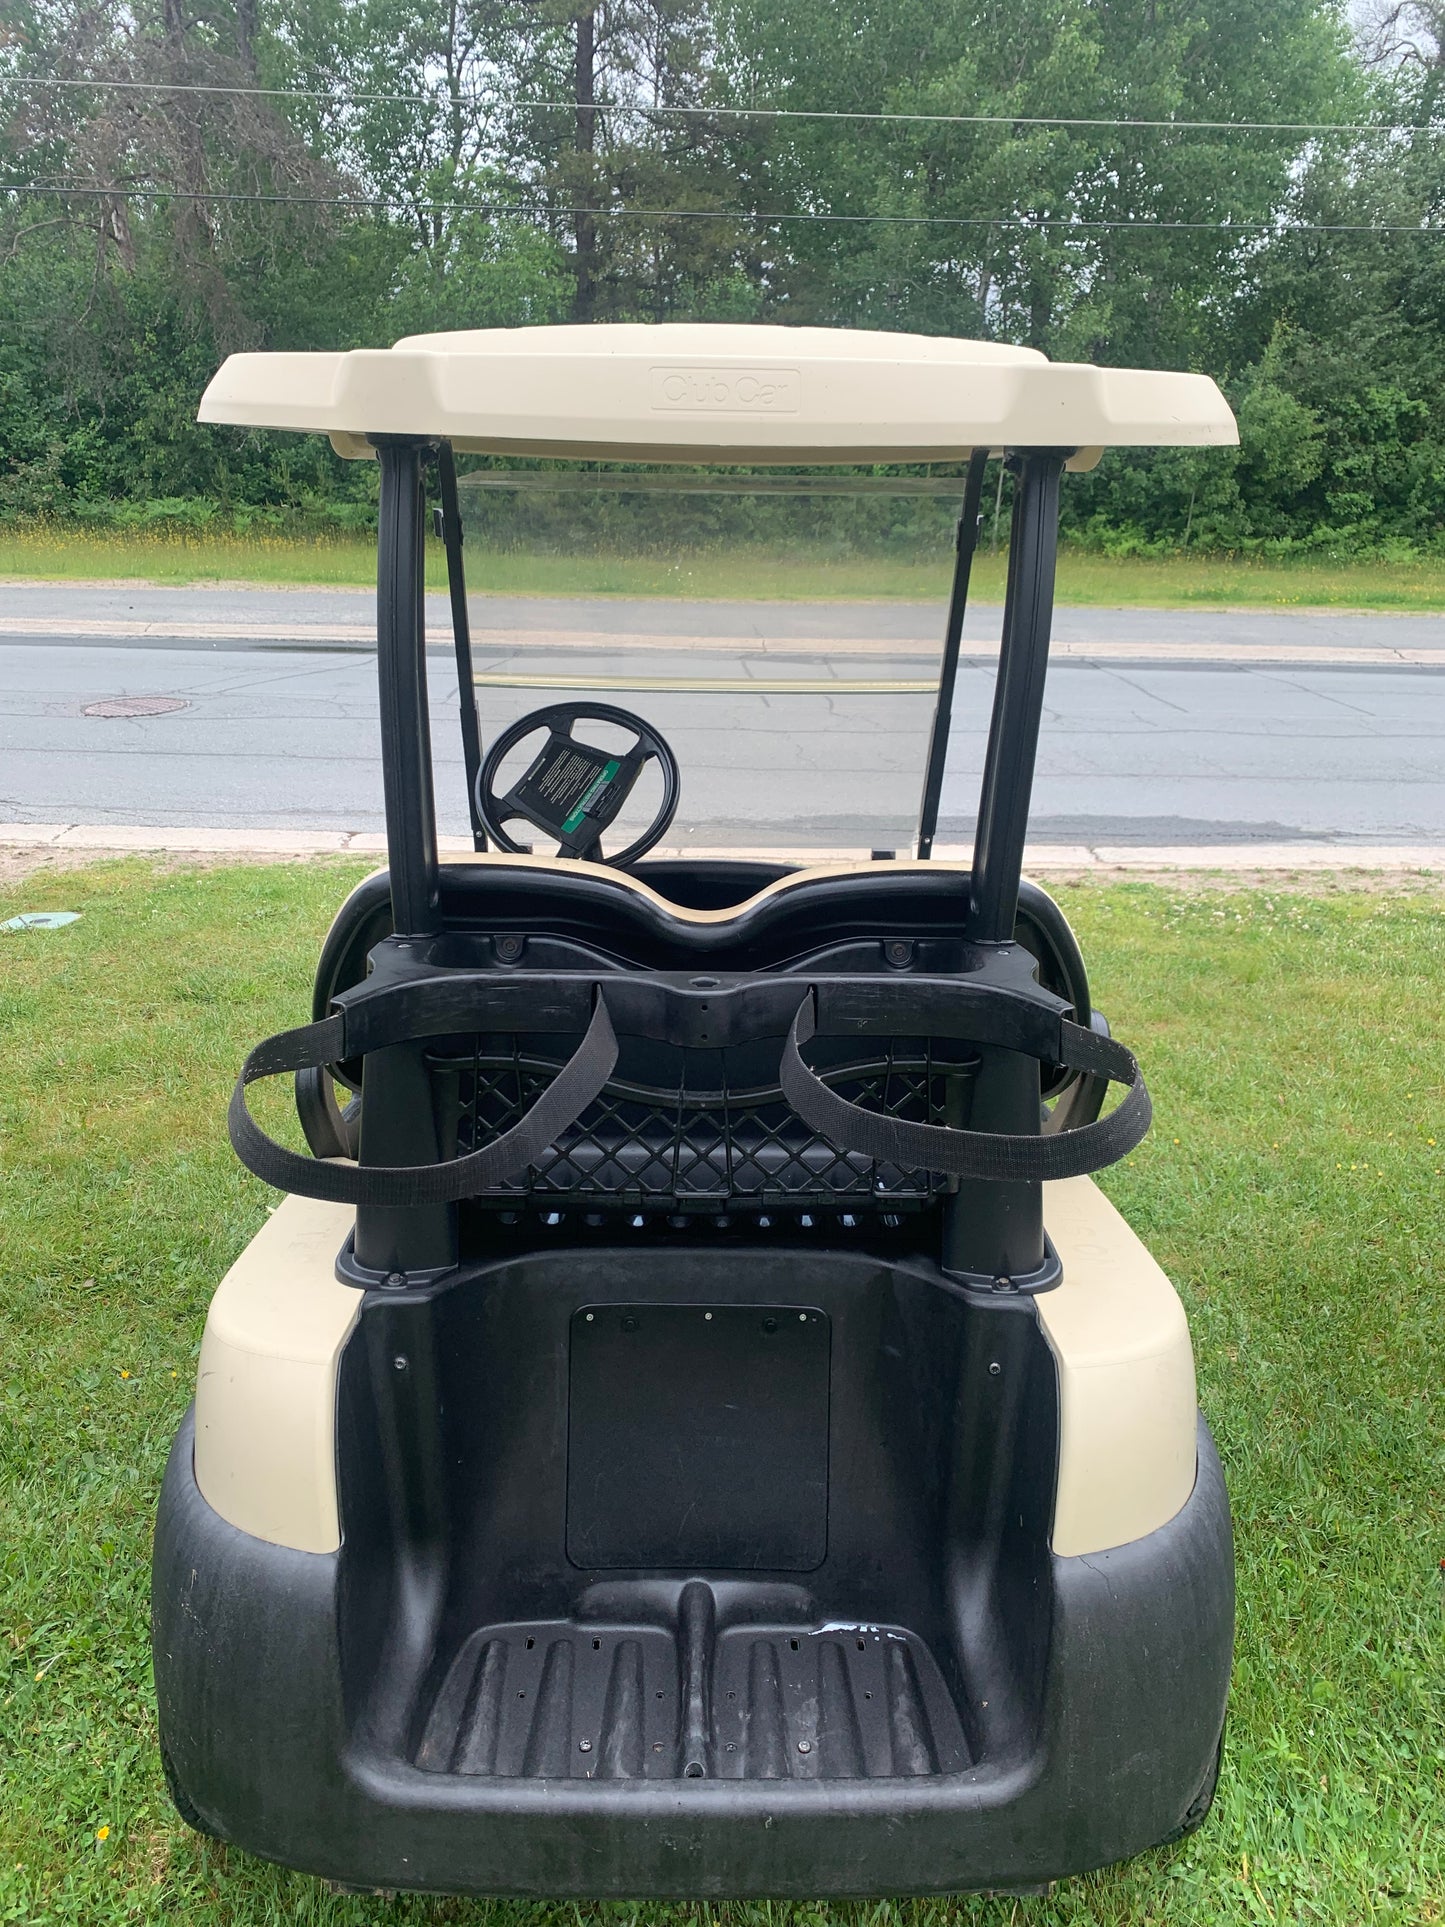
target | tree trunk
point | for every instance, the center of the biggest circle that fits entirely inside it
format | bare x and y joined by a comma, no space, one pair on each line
192,215
247,26
115,227
585,260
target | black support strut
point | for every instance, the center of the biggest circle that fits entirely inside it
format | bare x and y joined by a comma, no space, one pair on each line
967,544
397,1119
451,531
996,1229
1018,698
411,836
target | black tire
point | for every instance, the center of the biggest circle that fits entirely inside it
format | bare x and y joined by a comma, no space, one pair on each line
1197,1812
181,1800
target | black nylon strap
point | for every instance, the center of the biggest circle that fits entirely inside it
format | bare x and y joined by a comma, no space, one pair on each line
974,1154
400,1186
407,1012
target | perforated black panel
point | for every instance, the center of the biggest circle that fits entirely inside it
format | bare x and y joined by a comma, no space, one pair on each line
740,1147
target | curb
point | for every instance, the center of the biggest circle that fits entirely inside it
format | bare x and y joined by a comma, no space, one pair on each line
360,638
1040,859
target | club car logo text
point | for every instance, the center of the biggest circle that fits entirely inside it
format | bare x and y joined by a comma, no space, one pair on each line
734,391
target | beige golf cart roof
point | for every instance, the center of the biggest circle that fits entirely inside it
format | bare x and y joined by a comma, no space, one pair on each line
717,392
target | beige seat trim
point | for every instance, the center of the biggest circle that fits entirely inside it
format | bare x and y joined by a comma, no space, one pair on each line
1127,1398
717,392
265,1455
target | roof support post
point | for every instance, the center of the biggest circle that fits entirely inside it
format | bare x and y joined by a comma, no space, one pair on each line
411,834
1018,697
398,1122
995,1230
967,543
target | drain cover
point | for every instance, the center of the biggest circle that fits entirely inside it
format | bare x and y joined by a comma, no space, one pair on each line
136,706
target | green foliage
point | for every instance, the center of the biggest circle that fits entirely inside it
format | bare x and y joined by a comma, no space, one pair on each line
436,164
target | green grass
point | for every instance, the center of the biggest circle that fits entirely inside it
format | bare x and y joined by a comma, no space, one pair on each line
1290,1186
1182,581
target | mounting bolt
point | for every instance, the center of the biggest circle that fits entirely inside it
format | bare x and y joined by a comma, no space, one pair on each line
898,952
508,949
396,1280
805,1746
399,1363
584,1746
994,1368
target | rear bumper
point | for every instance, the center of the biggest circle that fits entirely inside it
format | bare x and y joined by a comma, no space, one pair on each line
255,1720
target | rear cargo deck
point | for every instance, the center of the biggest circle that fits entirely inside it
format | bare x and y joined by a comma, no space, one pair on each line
791,1531
751,1701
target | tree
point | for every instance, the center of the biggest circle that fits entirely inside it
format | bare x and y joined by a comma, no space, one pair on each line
1034,257
354,170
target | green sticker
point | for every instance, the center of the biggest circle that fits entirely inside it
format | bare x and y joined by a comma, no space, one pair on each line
590,794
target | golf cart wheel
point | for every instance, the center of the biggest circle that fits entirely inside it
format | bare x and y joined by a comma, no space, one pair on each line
181,1800
1197,1811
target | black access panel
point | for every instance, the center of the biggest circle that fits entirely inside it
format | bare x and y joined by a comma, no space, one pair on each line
698,1438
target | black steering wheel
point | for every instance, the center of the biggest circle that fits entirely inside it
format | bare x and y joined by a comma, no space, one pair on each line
570,790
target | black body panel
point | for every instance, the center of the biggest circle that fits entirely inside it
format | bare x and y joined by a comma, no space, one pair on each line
453,1702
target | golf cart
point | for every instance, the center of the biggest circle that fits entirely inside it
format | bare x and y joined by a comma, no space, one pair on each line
692,1425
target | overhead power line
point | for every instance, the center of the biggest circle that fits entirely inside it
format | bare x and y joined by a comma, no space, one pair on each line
1029,222
341,96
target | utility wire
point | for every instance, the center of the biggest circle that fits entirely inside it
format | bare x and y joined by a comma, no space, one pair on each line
1029,222
450,101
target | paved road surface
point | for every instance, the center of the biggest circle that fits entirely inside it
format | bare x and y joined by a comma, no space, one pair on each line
795,723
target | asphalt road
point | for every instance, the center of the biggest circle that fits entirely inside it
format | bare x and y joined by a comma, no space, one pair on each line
796,724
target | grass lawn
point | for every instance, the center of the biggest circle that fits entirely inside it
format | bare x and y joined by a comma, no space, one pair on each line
1292,1186
1183,581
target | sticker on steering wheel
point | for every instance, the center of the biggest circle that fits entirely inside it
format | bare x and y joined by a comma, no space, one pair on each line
594,791
563,784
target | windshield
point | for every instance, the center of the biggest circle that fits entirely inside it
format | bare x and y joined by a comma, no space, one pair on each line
782,631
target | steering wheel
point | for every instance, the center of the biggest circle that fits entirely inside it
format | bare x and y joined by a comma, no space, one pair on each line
570,790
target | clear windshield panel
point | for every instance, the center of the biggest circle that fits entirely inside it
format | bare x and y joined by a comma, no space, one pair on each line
781,630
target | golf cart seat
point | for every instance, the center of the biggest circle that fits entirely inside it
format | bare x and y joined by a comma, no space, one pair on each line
664,914
693,1425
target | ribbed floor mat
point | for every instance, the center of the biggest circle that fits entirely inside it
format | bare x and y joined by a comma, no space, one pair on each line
646,1702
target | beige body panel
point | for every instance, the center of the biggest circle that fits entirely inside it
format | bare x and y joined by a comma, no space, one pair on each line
717,392
1127,1398
266,1391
